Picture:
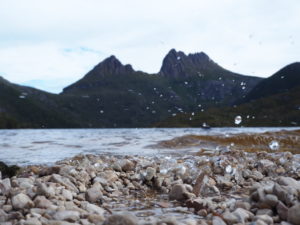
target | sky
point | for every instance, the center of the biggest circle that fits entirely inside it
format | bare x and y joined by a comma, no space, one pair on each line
50,44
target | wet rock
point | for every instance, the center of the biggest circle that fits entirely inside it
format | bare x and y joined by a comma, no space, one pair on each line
21,201
94,193
70,216
179,193
121,219
293,215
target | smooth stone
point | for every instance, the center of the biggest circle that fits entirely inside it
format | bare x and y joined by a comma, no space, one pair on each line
293,215
282,210
271,200
70,216
21,201
67,194
268,212
266,218
91,208
150,173
127,165
3,215
179,193
95,219
42,189
32,221
42,202
288,181
94,193
5,186
121,219
64,181
243,205
217,221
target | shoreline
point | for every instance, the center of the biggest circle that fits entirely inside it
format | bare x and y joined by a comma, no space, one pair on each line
224,187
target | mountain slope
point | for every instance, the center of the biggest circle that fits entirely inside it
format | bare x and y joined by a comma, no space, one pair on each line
284,80
275,101
22,106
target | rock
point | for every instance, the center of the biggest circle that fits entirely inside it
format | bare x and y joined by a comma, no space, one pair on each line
67,194
8,171
21,201
293,215
121,219
94,193
242,204
242,215
42,202
42,189
268,212
95,218
224,182
179,193
271,200
109,175
32,221
217,221
93,209
5,186
65,182
3,216
289,181
56,222
70,216
100,180
282,210
150,173
127,165
266,218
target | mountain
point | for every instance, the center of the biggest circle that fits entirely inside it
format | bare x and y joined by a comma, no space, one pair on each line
22,107
274,101
283,81
116,95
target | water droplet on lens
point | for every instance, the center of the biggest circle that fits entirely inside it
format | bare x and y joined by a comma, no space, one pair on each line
237,120
274,145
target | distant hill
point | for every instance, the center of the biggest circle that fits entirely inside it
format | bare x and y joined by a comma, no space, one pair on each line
23,107
283,81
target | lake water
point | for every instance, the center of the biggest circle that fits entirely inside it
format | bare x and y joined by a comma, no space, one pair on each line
25,147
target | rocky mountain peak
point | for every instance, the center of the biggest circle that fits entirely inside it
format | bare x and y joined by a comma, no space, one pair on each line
112,65
178,64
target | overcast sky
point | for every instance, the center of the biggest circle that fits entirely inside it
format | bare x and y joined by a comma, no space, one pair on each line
51,43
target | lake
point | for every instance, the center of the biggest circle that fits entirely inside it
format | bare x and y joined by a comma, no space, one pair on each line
46,146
